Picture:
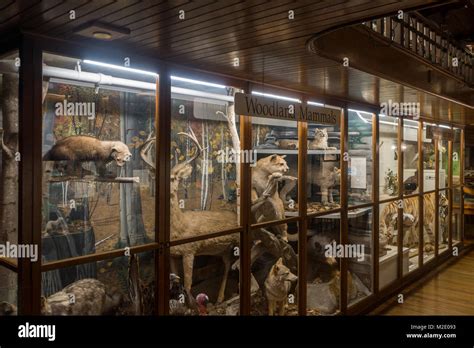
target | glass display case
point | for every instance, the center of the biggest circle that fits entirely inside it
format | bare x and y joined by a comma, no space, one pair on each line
429,161
388,157
361,163
9,174
118,286
98,193
219,212
360,275
323,276
410,156
323,168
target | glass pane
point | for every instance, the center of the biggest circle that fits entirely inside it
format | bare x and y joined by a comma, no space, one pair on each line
275,143
457,217
443,163
388,250
8,292
360,255
323,268
388,156
429,162
410,156
443,221
360,157
205,150
204,277
274,281
429,212
9,133
457,157
98,170
411,231
120,286
323,168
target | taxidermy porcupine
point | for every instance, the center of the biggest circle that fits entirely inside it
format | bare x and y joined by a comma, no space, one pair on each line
82,148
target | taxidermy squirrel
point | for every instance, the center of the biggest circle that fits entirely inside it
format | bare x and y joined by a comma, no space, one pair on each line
277,287
82,148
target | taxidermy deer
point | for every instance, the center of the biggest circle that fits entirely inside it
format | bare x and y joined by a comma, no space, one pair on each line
188,223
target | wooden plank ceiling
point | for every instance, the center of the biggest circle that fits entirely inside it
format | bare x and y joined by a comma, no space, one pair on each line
270,47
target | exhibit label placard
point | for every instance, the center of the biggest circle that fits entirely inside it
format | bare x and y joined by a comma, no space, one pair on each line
260,106
439,133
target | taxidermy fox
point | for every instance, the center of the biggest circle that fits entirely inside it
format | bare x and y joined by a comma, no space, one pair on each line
81,148
277,287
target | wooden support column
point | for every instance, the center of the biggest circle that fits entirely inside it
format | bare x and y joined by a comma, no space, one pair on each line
344,205
303,222
30,174
162,198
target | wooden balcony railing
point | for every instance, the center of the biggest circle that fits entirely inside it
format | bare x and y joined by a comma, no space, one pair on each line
414,34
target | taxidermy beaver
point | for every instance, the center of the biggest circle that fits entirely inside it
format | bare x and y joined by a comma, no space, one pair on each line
82,148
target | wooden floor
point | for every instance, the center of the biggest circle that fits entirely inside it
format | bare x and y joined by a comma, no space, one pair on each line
450,292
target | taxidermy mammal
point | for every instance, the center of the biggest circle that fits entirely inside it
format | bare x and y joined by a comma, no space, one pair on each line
83,297
277,287
7,309
189,223
82,148
268,168
326,180
320,141
389,217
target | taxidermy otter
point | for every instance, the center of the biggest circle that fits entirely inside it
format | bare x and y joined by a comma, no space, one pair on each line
82,148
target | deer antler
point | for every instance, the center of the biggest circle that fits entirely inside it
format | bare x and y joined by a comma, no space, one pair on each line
144,151
193,138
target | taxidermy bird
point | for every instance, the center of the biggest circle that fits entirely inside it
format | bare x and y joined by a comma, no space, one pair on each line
202,300
178,296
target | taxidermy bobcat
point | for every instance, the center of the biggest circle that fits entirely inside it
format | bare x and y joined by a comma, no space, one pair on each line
277,287
81,148
320,142
266,168
326,180
83,297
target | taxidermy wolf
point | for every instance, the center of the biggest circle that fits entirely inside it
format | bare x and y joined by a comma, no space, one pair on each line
277,287
83,297
81,148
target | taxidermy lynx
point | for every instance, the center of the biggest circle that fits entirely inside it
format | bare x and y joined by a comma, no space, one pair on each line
266,168
277,287
320,141
81,148
326,180
83,297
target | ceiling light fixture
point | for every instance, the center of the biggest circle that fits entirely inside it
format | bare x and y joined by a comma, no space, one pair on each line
119,67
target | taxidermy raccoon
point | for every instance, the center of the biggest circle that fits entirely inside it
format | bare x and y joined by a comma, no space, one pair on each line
81,148
83,297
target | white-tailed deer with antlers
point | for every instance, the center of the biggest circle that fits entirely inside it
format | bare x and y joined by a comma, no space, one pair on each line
187,223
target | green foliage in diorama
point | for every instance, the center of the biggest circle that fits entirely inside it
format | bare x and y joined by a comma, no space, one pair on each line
391,183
